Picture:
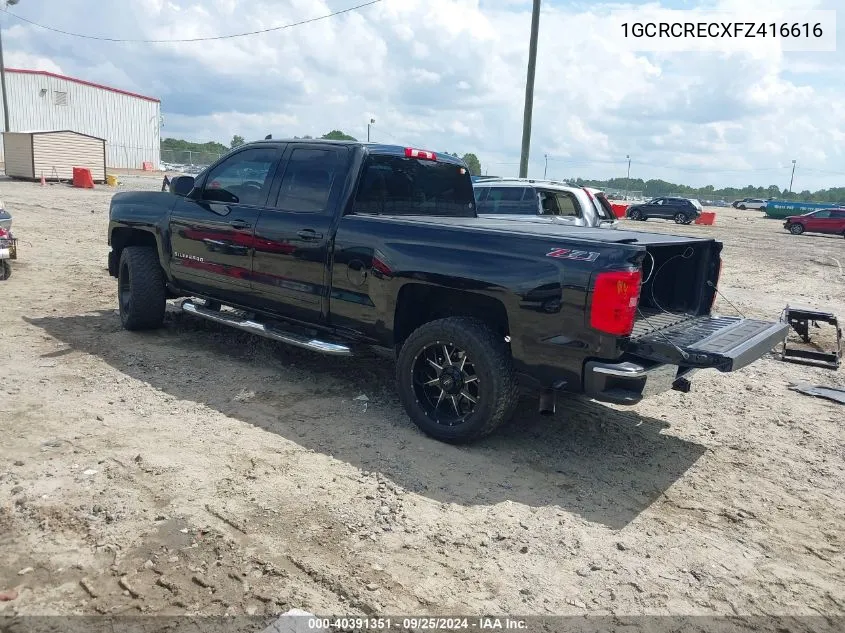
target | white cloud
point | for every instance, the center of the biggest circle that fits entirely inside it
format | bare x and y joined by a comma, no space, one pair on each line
450,75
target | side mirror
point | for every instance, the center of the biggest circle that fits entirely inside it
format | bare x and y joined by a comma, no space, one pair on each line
181,185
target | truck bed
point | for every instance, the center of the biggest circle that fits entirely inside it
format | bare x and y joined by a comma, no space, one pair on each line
652,320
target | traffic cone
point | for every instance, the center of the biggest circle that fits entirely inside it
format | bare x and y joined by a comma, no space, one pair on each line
43,180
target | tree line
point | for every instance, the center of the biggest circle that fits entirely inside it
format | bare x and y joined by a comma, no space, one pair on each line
654,188
213,147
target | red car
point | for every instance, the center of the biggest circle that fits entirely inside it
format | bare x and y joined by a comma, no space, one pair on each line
821,221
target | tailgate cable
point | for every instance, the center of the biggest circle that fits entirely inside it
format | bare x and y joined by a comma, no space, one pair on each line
683,354
712,285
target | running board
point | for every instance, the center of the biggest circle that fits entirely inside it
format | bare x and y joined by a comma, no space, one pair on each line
267,331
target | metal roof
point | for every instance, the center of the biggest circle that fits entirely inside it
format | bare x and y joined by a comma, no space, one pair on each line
82,82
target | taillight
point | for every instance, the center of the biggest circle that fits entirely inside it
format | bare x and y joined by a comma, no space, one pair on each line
589,194
615,297
420,154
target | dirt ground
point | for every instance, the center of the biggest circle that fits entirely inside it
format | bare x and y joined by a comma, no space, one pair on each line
197,470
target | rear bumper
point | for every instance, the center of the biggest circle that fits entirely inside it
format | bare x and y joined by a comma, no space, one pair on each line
628,382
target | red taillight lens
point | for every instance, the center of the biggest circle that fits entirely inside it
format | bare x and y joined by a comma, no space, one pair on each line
615,298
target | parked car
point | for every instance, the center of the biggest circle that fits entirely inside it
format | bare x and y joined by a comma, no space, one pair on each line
749,203
545,201
347,246
821,221
681,210
5,218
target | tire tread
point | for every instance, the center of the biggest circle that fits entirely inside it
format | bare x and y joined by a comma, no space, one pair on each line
149,294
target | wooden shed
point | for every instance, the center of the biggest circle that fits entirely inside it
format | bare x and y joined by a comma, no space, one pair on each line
53,154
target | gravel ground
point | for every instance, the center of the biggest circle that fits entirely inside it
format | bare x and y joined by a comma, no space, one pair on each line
204,471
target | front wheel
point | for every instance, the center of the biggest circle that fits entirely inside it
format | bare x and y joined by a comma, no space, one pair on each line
742,207
636,214
456,380
681,218
796,229
141,292
5,270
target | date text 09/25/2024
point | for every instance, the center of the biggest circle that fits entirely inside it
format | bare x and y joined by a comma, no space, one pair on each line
417,624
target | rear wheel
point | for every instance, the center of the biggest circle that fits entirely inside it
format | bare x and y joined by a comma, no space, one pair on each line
796,229
5,270
681,218
456,380
141,292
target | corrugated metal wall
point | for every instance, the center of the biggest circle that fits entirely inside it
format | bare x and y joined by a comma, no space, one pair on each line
58,153
18,155
130,125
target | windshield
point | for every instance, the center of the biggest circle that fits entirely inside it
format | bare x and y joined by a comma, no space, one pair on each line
394,185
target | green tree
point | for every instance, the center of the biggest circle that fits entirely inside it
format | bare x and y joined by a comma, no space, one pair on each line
180,145
237,141
473,163
337,135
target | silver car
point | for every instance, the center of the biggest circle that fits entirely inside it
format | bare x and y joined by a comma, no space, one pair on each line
546,201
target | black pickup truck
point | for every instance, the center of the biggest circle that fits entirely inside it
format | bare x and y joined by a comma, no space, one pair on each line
339,246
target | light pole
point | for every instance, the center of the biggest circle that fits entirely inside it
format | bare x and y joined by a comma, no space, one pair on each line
546,168
529,91
791,178
628,177
372,122
8,3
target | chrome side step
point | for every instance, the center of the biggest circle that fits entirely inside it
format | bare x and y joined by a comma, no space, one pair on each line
254,327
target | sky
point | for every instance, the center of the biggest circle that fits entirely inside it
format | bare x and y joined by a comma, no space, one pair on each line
449,75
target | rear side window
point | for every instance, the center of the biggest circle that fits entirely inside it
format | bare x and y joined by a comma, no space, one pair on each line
308,180
837,214
506,194
559,203
394,185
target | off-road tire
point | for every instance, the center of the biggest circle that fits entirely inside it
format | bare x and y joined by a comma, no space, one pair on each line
681,218
142,304
796,229
5,270
499,393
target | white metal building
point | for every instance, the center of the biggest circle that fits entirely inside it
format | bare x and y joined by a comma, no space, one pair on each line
130,123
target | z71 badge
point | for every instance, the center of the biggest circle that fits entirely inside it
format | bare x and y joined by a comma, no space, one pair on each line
566,253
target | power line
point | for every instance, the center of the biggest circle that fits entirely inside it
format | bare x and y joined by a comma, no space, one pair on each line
194,39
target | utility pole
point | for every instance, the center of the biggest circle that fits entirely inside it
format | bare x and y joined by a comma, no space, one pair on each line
628,177
372,122
7,3
529,91
791,178
546,168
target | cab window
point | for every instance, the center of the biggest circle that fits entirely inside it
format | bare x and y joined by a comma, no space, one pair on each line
243,178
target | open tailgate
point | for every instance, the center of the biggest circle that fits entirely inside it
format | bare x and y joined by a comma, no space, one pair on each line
719,342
